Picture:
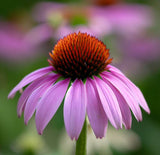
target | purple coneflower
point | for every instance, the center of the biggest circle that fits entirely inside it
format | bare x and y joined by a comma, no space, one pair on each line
81,74
124,19
17,46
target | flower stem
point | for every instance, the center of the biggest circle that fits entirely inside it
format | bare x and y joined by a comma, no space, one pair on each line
82,141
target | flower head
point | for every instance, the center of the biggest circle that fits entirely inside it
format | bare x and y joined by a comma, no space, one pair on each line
81,74
79,56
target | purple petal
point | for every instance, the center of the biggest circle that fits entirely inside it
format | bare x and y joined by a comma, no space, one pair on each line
126,114
125,92
135,90
95,111
29,78
23,98
49,104
75,109
34,98
109,103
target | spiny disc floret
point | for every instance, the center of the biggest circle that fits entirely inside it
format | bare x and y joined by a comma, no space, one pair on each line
79,56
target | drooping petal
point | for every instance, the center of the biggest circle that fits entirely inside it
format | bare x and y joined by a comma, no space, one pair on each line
35,84
126,114
96,114
109,103
29,78
135,90
34,98
75,109
126,93
49,104
23,98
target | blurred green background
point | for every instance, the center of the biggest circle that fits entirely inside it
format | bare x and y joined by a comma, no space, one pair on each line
18,139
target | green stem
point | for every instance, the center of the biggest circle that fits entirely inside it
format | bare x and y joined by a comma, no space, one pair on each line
82,141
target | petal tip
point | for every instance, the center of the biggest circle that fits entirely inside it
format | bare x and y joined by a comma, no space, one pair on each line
139,120
10,96
72,138
128,127
26,123
19,115
75,139
99,137
148,111
40,132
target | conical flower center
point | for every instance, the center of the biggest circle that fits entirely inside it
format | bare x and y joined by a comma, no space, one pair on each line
79,56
